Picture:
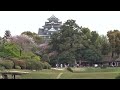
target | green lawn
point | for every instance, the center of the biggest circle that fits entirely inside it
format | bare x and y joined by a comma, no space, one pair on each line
79,73
93,75
43,74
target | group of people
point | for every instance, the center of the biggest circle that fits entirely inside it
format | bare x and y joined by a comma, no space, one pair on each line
66,65
62,65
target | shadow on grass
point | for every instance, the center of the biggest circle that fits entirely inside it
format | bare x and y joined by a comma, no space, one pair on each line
118,77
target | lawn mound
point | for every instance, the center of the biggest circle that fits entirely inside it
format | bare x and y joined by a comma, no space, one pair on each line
60,69
77,70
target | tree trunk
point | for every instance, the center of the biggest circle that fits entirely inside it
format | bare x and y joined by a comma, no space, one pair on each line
112,54
20,52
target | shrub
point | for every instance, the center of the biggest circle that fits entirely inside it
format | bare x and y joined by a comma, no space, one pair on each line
104,67
46,65
7,64
29,55
118,77
17,67
34,65
20,63
35,58
39,66
29,65
69,69
2,67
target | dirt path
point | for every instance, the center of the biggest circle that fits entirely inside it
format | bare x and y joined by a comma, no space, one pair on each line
59,75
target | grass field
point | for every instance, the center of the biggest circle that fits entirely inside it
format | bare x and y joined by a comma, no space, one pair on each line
79,73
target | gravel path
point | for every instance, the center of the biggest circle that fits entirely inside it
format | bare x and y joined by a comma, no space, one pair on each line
59,75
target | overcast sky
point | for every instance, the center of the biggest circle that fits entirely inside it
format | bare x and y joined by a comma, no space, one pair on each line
19,21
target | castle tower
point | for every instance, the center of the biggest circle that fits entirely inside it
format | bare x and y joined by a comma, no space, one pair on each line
53,25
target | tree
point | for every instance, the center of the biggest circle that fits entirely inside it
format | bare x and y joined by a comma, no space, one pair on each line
94,37
28,33
67,41
73,43
91,55
7,34
104,45
114,39
45,58
37,39
24,42
86,37
9,50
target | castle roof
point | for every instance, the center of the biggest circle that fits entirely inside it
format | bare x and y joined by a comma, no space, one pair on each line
53,18
52,29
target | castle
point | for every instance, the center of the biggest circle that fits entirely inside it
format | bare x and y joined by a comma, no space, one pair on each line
53,25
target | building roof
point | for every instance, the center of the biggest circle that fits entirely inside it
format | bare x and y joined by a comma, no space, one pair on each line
53,18
52,29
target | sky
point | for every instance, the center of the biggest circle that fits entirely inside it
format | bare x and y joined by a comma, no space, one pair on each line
20,21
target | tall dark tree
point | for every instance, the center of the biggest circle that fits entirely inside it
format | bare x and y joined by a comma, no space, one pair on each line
104,45
67,41
94,37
